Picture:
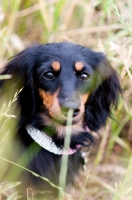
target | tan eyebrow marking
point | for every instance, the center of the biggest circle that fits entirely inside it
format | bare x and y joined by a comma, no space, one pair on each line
56,66
79,66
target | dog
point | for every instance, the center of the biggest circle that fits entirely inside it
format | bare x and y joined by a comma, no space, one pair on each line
52,80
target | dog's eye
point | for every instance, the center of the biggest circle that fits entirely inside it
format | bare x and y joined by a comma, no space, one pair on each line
49,75
84,76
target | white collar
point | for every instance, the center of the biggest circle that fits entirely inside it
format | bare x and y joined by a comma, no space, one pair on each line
47,142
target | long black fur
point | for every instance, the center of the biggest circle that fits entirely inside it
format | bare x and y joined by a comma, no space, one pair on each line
27,69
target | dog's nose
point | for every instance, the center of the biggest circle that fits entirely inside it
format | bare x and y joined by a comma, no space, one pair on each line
70,105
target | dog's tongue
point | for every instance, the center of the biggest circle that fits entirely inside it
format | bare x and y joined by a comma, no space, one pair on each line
71,151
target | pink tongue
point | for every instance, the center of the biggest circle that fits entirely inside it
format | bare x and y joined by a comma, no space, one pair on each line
71,151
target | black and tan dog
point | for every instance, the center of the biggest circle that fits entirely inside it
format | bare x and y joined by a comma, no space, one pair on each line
53,79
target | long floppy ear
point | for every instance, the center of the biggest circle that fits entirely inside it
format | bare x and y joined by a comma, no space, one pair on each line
21,69
104,95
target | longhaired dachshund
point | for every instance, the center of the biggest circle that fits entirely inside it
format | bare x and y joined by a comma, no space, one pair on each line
52,80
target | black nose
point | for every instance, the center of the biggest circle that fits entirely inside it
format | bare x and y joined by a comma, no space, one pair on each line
70,105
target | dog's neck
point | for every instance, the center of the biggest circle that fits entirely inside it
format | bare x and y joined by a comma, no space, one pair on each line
47,142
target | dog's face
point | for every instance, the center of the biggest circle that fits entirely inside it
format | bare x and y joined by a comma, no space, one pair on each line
62,76
63,83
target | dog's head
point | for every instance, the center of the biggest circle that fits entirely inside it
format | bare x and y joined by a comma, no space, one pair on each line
59,77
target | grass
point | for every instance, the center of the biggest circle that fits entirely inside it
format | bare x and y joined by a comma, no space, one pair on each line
103,26
64,162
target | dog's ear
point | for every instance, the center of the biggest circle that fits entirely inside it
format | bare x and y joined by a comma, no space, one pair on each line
104,94
21,69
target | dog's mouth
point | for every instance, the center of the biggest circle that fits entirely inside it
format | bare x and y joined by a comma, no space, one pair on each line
62,115
63,120
58,127
58,130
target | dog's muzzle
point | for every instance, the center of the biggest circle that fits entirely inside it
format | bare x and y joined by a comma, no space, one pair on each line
67,105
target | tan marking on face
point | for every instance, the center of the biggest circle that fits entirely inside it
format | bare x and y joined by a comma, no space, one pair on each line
84,98
79,66
47,98
56,66
51,102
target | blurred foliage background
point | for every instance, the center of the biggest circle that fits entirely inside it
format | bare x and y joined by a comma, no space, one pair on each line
103,25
